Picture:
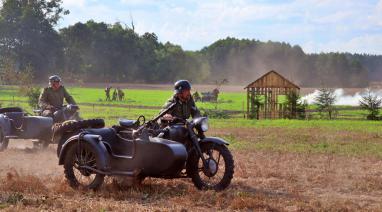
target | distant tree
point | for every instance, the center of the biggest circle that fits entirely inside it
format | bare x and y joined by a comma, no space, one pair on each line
27,34
325,102
8,75
372,103
295,108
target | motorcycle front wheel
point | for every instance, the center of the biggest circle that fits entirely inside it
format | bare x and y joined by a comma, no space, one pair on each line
78,157
218,171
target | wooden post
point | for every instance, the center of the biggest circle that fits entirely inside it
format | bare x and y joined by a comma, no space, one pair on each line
266,103
248,99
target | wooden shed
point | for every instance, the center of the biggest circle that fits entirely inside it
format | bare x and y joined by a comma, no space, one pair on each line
265,96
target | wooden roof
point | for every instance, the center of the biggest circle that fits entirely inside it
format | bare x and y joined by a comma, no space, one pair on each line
272,79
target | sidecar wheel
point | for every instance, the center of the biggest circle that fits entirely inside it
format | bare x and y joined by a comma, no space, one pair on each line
80,178
3,141
220,171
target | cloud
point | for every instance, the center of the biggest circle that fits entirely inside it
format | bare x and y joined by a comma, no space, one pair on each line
355,45
73,3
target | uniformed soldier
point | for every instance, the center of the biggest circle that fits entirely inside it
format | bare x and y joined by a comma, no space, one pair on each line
121,94
52,97
107,92
115,95
185,105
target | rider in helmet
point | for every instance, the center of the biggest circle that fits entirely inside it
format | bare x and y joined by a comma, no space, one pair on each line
185,105
52,97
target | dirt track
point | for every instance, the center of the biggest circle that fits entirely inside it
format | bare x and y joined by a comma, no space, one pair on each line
266,181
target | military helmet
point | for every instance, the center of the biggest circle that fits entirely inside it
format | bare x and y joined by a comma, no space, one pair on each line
55,78
181,85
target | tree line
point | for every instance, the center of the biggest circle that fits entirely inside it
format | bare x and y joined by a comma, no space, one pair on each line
100,52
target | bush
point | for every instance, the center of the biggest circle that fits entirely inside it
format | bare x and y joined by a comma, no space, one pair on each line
217,114
372,104
33,94
325,103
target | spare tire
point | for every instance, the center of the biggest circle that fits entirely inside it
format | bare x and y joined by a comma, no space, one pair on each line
63,131
70,126
10,109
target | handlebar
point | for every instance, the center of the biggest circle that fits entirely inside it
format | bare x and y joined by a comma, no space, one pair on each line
156,118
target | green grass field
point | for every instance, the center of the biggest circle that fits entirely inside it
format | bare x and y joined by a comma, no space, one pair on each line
349,137
134,97
316,164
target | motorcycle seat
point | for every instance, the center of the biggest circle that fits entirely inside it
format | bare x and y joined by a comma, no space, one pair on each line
118,146
127,123
107,134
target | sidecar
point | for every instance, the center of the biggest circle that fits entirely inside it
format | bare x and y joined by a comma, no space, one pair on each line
107,151
15,123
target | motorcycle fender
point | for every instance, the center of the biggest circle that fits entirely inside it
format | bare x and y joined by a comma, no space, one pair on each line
214,140
96,143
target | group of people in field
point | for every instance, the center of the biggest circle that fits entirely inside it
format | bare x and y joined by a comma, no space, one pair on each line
118,94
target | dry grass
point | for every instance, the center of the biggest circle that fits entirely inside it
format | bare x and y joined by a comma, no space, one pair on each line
275,178
263,181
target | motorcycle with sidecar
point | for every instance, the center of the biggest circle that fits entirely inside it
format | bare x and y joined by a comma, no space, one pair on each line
17,124
134,150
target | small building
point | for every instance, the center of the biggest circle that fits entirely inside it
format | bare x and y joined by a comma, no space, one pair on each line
266,96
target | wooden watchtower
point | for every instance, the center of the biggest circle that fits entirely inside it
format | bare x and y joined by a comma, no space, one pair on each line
265,96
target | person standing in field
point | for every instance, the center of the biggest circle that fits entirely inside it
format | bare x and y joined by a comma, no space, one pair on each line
185,104
107,93
121,94
52,97
115,95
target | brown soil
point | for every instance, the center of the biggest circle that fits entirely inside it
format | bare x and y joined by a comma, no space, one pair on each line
263,181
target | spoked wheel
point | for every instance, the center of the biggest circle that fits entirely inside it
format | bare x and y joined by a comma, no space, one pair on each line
3,141
77,158
219,169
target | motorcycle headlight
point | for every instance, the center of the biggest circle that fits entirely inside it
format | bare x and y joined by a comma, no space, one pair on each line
204,125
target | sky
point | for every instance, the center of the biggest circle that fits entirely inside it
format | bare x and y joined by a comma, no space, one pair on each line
316,25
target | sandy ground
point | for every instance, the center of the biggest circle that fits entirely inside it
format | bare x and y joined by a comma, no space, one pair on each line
263,181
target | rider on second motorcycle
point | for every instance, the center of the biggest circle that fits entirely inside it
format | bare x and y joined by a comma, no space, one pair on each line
185,104
52,97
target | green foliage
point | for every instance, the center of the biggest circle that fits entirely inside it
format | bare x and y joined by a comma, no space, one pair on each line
257,102
325,102
94,51
118,54
294,107
372,104
234,59
33,94
215,114
27,35
100,52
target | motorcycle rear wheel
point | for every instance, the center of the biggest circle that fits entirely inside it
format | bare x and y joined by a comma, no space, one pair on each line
81,178
213,177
